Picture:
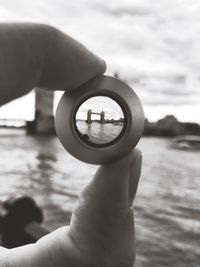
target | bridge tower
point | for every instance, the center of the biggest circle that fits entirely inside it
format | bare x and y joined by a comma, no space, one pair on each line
89,116
102,117
44,120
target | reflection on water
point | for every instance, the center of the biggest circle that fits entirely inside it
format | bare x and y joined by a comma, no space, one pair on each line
167,209
98,133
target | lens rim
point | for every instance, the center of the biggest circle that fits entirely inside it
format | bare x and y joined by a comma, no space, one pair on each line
120,93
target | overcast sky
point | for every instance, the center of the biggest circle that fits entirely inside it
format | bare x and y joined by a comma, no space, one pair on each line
110,107
153,45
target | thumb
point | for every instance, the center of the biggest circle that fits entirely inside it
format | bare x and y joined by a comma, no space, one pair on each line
114,185
102,224
102,227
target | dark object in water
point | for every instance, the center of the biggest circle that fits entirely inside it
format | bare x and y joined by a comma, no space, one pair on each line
16,215
86,136
186,142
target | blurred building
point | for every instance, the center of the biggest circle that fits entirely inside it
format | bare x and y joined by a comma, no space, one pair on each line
44,119
170,126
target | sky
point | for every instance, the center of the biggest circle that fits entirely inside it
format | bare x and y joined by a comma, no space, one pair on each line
152,45
111,108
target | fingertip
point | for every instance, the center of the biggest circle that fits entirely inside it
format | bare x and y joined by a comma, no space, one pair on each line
104,65
100,65
128,159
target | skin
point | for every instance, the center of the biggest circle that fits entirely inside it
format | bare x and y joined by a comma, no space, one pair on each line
101,232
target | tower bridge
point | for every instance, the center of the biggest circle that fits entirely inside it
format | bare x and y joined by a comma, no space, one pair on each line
90,113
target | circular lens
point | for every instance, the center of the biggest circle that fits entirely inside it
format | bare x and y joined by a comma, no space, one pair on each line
99,120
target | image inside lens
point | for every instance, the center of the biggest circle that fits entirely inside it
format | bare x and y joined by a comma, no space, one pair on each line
99,120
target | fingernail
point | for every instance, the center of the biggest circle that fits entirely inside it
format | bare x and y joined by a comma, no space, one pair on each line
135,171
104,65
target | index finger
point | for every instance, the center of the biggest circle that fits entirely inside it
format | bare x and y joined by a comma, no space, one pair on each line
37,55
68,63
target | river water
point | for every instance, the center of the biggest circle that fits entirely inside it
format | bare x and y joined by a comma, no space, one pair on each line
98,133
167,206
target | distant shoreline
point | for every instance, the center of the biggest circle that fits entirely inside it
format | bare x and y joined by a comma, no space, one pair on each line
169,126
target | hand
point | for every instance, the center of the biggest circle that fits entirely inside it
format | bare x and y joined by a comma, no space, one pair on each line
101,232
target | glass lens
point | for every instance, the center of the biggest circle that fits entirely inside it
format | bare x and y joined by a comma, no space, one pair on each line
99,120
